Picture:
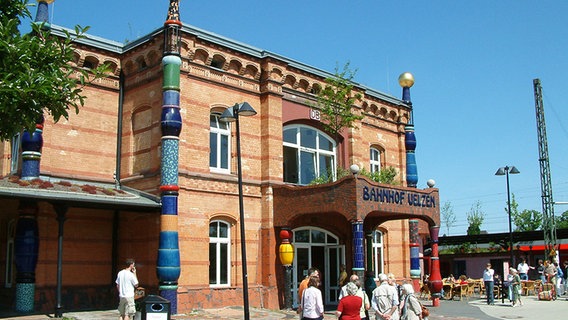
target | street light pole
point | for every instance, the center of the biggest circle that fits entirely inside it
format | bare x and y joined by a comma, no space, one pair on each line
500,172
230,115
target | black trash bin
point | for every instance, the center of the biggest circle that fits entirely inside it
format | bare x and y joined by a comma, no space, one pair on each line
155,308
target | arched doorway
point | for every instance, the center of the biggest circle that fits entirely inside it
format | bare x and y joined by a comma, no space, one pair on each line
316,247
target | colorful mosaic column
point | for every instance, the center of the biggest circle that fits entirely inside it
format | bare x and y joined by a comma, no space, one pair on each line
31,151
26,247
435,275
358,249
26,242
168,265
406,81
415,272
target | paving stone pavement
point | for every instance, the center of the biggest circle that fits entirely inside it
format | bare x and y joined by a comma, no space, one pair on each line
472,309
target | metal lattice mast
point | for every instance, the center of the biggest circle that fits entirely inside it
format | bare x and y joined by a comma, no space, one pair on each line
548,225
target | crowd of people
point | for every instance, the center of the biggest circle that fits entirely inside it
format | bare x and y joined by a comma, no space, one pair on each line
357,300
391,301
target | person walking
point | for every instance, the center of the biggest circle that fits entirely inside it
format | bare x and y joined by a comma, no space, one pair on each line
516,284
349,307
126,282
411,308
385,300
311,305
488,274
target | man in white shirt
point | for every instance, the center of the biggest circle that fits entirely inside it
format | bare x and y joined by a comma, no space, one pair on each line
126,282
523,269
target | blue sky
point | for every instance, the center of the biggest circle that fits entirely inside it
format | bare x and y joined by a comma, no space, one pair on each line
473,61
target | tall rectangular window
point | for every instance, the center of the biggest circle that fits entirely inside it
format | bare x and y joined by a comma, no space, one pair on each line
219,144
219,253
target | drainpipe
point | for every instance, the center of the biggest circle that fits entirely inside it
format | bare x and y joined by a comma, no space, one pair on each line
119,131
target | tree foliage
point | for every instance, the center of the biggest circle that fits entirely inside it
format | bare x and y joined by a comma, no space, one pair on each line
526,220
475,217
335,101
35,75
562,220
386,175
448,216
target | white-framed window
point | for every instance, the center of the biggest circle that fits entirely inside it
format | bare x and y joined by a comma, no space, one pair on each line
378,252
11,233
15,153
219,253
375,160
219,144
308,153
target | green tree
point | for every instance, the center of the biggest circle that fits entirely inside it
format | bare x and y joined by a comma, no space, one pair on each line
35,75
562,220
448,216
335,101
475,217
526,220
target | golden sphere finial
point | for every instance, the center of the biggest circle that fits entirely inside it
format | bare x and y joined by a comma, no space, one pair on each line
406,80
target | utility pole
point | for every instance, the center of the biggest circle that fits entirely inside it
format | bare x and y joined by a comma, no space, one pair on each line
548,224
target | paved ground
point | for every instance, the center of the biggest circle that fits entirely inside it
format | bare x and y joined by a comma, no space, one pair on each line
473,309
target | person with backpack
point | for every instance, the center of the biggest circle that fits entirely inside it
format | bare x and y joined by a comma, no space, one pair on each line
411,307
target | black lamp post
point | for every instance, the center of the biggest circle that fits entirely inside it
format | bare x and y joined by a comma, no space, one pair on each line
230,115
505,171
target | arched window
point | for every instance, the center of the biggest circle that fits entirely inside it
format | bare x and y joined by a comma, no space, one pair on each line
219,253
375,162
378,254
308,154
219,144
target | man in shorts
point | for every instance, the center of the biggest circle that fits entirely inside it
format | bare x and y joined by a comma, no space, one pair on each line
126,282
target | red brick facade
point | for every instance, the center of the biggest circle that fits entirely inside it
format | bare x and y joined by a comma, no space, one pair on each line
84,147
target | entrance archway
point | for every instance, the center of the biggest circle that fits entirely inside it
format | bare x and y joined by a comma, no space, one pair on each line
318,248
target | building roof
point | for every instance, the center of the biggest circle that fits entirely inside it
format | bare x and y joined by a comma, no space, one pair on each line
120,48
525,236
77,193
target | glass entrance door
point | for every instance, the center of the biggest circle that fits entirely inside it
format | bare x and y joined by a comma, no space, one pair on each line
314,247
334,258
